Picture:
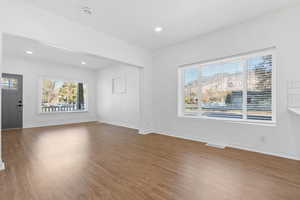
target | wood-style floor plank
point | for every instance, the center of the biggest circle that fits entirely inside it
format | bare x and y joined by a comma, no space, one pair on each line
104,162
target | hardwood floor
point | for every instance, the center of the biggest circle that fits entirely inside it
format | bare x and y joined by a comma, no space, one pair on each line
98,161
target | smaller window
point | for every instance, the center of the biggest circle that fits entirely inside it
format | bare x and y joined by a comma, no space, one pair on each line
63,96
9,83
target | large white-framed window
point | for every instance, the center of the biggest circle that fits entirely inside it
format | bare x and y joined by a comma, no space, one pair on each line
238,88
60,96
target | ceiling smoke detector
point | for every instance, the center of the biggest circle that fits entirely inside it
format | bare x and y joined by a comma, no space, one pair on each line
86,10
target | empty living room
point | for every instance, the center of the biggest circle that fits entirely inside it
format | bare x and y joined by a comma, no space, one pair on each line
150,100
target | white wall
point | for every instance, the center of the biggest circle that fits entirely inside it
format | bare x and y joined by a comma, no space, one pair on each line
33,71
31,22
278,29
28,21
119,108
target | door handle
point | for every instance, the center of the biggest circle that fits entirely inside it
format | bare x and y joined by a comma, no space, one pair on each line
20,105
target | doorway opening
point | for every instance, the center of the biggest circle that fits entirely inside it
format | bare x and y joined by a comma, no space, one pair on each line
48,85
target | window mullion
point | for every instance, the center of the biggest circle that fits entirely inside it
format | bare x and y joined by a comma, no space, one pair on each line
199,92
182,74
245,88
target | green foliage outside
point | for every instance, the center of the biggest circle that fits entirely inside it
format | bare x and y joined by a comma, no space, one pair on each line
55,92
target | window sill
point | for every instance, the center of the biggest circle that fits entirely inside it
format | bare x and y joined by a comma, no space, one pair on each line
63,112
236,121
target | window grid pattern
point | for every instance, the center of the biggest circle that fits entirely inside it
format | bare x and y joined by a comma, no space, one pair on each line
239,88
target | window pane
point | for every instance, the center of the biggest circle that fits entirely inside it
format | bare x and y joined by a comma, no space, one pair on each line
62,96
5,83
239,88
259,91
222,89
191,89
9,83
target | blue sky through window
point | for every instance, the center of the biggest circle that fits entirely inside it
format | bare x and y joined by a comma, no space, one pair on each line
229,68
58,84
191,74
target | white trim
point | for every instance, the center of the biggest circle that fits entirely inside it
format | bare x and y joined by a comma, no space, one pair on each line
219,146
63,112
295,110
232,120
146,132
281,155
2,165
180,89
122,124
57,122
272,50
274,84
231,57
245,89
141,96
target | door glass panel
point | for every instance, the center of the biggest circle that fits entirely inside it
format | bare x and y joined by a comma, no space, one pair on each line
9,83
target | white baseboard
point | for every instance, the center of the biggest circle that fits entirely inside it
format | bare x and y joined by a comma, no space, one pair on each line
219,146
58,122
142,132
178,136
126,125
2,165
282,155
145,132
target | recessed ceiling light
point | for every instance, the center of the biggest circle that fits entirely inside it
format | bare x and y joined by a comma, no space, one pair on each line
158,29
83,63
28,52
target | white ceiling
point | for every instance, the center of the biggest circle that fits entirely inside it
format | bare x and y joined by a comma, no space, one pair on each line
134,20
15,46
